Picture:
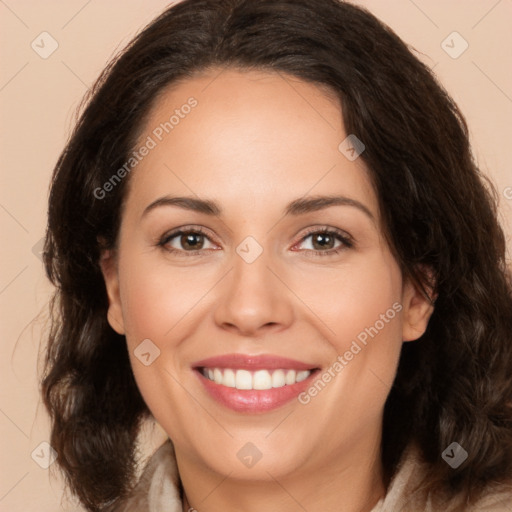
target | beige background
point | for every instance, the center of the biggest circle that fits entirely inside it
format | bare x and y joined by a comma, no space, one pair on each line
38,98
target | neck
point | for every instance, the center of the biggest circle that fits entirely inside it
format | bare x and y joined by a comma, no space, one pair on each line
351,479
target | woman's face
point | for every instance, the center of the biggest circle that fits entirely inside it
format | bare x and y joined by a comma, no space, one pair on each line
282,290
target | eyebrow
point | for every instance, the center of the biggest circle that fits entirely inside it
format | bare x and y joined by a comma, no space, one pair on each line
297,207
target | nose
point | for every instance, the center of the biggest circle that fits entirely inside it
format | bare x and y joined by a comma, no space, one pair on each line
253,299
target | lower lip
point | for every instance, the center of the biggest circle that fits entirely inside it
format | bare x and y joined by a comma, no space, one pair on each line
253,400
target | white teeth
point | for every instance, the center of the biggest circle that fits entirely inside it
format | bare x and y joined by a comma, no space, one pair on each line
243,379
290,377
229,378
302,375
217,376
260,379
278,379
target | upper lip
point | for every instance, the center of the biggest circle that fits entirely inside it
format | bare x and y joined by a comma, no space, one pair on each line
253,362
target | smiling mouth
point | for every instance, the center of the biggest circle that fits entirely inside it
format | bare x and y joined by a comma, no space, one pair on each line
248,383
254,391
254,380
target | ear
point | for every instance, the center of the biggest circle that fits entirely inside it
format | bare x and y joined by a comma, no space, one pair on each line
108,265
417,308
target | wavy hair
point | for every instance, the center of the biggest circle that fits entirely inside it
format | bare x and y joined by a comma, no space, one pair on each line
439,212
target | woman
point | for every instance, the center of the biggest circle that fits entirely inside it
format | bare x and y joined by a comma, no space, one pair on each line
268,234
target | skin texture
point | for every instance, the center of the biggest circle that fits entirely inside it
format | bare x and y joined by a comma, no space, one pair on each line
255,142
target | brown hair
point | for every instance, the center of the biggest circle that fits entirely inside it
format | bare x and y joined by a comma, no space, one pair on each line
454,384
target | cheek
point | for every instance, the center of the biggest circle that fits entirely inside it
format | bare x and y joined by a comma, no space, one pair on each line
362,307
154,299
355,299
155,304
163,305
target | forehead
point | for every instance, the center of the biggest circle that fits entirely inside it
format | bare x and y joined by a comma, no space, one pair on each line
247,135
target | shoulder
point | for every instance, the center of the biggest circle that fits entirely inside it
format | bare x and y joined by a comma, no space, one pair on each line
405,492
158,485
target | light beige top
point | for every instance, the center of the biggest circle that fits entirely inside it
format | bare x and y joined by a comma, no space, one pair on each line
157,489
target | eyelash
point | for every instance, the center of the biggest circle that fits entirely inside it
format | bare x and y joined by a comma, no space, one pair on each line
173,234
346,240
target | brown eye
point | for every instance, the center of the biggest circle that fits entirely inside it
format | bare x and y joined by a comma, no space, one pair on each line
325,242
186,241
192,241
